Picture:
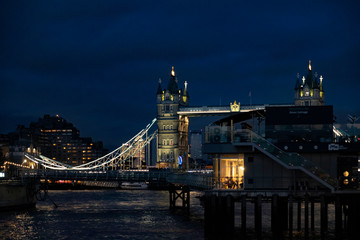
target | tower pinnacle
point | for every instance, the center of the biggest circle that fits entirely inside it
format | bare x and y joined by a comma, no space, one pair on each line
172,72
309,65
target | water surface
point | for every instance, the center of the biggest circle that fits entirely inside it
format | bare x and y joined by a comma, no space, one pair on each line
104,214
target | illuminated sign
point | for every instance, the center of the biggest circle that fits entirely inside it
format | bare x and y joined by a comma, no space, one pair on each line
2,174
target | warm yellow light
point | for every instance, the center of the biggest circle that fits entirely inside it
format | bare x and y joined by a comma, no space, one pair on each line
172,72
309,65
346,174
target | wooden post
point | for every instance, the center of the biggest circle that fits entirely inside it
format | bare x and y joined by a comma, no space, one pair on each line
338,218
312,214
299,215
353,217
275,219
258,216
207,216
323,216
291,217
284,211
306,222
229,216
243,216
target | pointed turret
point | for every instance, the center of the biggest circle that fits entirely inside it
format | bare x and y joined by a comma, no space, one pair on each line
185,95
298,84
309,77
309,90
316,81
159,90
173,86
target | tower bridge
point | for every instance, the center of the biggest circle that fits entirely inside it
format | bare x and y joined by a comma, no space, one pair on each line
170,129
272,172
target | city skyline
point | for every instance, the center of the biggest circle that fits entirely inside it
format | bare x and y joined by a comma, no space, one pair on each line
98,65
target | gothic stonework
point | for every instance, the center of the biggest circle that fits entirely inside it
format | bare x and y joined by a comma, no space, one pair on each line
309,91
172,128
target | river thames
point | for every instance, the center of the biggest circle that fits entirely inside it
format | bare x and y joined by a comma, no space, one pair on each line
104,214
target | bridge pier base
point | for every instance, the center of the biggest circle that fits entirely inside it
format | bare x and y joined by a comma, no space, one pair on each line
181,192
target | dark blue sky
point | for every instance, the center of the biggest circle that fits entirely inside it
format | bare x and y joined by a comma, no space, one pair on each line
97,63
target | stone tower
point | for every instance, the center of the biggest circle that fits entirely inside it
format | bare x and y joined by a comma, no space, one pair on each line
172,128
309,91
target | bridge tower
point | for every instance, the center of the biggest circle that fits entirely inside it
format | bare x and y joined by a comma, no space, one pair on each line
172,129
309,91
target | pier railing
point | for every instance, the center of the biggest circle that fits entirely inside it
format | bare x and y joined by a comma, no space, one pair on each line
202,180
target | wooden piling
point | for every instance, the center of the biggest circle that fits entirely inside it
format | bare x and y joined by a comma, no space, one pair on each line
258,216
243,216
353,217
338,218
323,218
181,192
275,224
306,220
291,217
299,214
312,214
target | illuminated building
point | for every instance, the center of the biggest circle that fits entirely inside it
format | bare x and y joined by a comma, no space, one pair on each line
172,128
301,146
59,140
309,90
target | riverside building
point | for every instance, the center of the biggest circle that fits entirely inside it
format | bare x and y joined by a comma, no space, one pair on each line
302,148
59,140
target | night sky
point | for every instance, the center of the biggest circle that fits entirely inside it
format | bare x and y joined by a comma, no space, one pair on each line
97,63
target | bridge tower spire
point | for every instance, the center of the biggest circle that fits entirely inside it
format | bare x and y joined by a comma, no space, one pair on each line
172,128
309,91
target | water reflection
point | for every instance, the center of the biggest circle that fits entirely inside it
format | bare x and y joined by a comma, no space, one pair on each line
119,214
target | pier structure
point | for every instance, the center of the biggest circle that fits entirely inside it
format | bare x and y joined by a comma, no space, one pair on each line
287,215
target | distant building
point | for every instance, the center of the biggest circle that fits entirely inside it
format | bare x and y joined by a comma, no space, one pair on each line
59,140
302,150
196,144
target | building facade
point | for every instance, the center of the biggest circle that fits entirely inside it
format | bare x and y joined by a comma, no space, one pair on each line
55,138
299,152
